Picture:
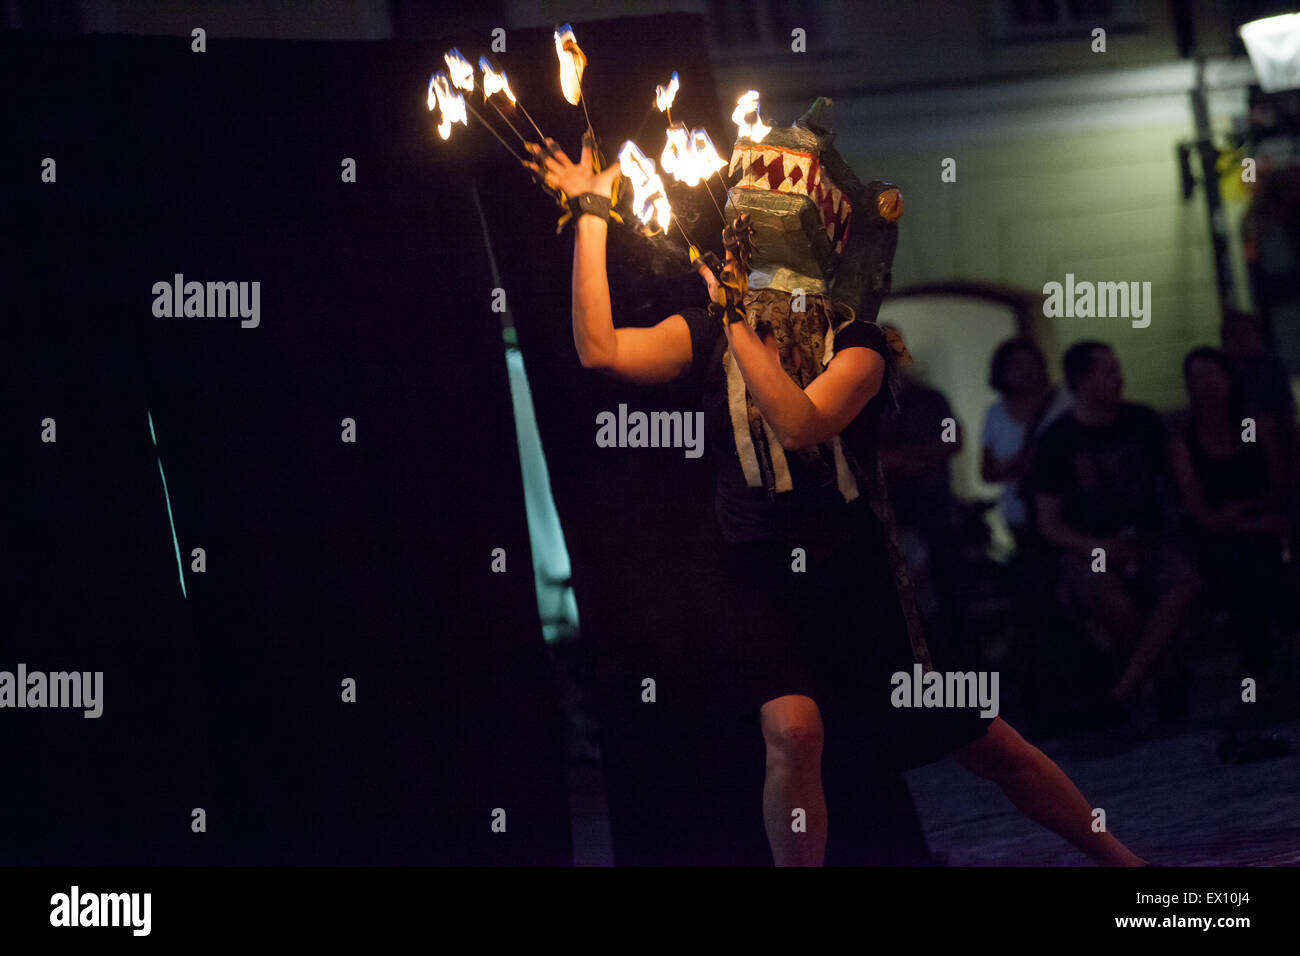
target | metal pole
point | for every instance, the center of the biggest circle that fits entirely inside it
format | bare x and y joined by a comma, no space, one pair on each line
1213,198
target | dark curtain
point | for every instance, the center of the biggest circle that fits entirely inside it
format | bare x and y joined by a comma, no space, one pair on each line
325,560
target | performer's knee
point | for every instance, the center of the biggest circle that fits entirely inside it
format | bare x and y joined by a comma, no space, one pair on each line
792,728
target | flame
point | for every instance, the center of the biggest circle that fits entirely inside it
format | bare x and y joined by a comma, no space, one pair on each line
460,70
748,123
572,62
664,95
449,103
493,81
648,196
690,157
675,160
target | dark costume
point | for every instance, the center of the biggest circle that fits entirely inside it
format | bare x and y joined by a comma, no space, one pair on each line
839,629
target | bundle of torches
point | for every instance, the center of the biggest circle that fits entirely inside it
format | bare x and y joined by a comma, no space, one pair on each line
688,155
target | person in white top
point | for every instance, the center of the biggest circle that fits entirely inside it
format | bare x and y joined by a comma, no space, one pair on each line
1028,405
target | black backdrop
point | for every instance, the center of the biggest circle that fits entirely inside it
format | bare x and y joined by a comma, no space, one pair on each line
325,560
329,560
626,513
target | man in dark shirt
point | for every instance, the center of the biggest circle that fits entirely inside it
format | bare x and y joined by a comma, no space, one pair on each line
1100,479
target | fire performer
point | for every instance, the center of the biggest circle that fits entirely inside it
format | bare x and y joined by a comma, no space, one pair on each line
810,609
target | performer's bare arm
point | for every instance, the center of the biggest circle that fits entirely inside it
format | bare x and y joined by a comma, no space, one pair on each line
659,353
800,418
804,417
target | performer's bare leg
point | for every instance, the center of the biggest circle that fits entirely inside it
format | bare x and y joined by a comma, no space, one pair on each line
792,728
1041,791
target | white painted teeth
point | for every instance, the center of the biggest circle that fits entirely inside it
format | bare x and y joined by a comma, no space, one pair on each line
804,163
807,184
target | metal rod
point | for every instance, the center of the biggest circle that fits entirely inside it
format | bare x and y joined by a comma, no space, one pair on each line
494,132
583,100
530,119
1219,244
708,189
674,218
507,121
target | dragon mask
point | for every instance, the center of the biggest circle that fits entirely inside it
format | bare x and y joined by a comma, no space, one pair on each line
817,228
802,223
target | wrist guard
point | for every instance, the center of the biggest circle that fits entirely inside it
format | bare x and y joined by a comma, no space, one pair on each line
590,204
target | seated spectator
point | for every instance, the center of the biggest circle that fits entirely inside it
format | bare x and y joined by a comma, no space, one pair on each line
1230,491
1100,477
1013,424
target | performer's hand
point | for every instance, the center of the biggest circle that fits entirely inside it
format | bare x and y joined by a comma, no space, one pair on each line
710,280
707,275
557,171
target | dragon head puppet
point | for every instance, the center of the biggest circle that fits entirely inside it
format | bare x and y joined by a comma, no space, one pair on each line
802,222
816,227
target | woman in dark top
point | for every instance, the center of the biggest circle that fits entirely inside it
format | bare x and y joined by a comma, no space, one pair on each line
811,614
1229,487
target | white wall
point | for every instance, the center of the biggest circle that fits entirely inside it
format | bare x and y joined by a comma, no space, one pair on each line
952,339
1071,174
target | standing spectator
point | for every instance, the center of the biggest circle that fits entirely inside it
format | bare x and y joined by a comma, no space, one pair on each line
1100,477
1228,487
914,458
1265,390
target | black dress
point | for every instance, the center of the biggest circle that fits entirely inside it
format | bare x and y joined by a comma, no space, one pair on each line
840,629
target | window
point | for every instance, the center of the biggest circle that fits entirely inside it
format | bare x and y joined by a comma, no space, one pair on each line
1058,19
757,25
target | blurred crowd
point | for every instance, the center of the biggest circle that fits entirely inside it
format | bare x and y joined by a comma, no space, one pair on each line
1143,543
